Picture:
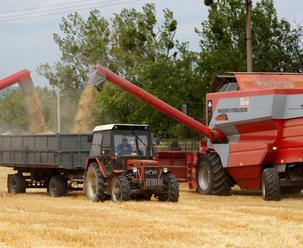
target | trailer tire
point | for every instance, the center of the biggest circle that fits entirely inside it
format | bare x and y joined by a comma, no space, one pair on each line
57,186
94,184
271,190
211,177
171,188
16,184
120,189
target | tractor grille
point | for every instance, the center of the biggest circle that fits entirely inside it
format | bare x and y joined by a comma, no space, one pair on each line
153,184
150,173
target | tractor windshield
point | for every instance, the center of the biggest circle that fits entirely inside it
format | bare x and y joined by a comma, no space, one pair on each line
131,143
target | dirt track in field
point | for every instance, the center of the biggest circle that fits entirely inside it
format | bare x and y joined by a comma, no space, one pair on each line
240,220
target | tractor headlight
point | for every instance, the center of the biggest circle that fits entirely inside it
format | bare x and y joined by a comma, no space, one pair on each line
135,170
165,170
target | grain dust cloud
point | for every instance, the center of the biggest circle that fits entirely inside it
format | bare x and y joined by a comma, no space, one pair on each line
33,107
85,111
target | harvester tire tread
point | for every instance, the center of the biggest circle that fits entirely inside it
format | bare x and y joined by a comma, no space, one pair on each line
97,194
218,183
271,185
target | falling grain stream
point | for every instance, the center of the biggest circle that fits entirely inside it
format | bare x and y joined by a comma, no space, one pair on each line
86,108
33,107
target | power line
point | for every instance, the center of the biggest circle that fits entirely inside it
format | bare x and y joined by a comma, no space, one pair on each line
38,13
47,7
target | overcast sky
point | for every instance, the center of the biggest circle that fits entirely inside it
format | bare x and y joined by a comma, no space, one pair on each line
29,43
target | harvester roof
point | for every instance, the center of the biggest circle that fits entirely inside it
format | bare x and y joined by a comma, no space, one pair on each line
259,80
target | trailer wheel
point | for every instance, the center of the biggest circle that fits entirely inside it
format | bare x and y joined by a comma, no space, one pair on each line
94,184
16,184
57,186
211,177
271,185
120,189
171,193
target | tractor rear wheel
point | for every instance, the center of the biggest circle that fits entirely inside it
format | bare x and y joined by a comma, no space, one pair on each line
94,184
271,185
211,177
171,191
120,189
16,184
57,186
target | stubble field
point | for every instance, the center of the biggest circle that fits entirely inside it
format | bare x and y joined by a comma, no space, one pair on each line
240,220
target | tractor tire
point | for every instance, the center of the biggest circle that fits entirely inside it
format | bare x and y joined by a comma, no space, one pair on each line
120,189
171,193
211,177
57,186
16,184
94,184
271,185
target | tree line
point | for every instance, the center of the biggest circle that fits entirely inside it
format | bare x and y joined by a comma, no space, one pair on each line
139,47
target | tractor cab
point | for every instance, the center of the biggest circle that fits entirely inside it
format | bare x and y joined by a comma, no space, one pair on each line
121,141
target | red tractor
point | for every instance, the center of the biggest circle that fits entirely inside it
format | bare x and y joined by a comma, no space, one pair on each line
254,133
121,165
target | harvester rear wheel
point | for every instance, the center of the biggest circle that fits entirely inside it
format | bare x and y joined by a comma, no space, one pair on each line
120,189
16,184
271,185
94,184
211,177
171,193
57,186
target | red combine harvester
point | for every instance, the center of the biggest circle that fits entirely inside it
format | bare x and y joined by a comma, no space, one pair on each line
254,133
17,77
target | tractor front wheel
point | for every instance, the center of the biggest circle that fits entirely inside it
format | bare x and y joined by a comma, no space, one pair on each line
271,185
171,190
120,189
211,177
94,184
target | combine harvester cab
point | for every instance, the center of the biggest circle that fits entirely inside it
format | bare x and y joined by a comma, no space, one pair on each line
254,133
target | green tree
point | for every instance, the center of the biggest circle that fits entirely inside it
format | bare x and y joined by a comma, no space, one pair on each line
277,46
136,46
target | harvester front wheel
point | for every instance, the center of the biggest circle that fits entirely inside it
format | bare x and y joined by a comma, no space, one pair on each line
171,191
57,186
271,185
211,177
94,184
120,189
16,184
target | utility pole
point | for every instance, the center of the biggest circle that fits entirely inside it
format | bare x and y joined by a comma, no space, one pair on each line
58,110
248,4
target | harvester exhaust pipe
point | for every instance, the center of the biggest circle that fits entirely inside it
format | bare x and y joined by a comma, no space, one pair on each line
101,74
